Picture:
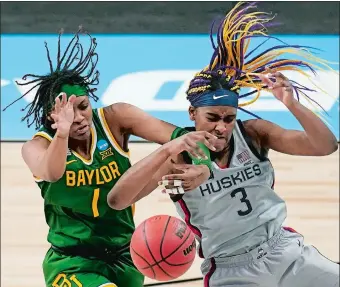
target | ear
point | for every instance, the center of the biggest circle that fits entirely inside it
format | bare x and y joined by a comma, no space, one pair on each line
192,113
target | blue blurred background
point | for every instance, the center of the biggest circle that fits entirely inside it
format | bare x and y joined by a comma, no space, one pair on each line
150,63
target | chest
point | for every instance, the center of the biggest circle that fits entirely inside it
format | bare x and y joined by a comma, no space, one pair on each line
225,183
104,167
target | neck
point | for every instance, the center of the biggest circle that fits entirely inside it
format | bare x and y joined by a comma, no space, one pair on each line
222,157
81,146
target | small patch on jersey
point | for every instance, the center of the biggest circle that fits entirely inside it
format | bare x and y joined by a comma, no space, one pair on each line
102,145
69,152
106,153
244,157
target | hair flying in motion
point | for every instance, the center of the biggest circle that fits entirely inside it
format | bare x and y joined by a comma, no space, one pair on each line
233,67
73,68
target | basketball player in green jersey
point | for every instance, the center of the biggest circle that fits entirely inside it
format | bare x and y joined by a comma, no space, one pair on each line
76,157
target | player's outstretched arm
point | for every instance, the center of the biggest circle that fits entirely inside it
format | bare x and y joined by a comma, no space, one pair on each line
315,140
143,177
47,159
132,120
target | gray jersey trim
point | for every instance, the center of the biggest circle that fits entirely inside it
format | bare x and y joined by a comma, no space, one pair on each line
262,156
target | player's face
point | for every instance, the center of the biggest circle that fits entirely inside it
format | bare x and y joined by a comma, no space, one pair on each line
80,129
219,121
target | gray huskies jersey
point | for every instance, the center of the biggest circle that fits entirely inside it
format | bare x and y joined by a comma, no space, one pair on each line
237,208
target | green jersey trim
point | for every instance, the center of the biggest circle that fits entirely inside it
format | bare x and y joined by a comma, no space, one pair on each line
44,135
109,134
93,147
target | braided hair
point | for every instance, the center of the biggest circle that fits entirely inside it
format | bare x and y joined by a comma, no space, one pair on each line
231,66
73,68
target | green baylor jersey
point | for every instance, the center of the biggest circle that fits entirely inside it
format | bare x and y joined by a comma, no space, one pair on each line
76,208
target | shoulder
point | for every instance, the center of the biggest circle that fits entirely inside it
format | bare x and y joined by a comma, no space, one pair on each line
36,145
121,113
114,114
114,109
251,129
261,129
42,137
119,109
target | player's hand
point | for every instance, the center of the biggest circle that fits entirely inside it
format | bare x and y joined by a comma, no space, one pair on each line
187,178
63,114
280,86
188,142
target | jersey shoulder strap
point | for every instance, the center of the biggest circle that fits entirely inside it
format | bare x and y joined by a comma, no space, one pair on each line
45,133
241,133
104,130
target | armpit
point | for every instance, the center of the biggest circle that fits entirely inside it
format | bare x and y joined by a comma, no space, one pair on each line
257,140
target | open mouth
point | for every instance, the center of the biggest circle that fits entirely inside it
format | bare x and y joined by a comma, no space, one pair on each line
82,130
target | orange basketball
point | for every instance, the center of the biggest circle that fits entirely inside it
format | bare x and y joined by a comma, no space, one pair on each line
163,247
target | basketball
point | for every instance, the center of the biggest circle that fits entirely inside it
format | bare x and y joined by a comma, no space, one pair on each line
163,247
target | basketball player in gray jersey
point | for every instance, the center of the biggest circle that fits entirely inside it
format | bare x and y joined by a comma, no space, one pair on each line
232,207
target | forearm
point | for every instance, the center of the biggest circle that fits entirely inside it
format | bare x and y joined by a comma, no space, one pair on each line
137,178
53,162
318,134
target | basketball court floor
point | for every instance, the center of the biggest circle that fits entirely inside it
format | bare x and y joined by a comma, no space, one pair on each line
309,185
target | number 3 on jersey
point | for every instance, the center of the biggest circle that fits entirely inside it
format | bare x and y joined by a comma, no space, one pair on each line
244,200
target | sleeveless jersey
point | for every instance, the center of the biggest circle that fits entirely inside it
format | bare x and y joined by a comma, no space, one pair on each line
76,208
237,208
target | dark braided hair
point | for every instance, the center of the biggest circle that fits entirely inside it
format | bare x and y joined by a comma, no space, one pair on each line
210,80
231,66
70,67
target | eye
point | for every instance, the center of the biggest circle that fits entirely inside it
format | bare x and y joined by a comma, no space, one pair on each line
229,119
213,119
83,106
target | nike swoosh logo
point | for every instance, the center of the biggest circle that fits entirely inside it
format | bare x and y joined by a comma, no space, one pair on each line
218,97
68,162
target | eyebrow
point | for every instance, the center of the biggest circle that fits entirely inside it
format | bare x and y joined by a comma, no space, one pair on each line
216,115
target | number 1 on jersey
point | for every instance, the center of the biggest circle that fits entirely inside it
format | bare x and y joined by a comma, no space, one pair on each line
95,202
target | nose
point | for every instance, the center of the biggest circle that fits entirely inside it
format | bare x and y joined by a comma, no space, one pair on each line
78,116
221,128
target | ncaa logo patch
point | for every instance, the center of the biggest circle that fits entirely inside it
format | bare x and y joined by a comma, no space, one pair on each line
105,150
102,145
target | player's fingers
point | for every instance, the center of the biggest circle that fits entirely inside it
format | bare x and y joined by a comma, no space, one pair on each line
176,190
186,185
54,116
63,100
54,126
193,149
278,85
266,80
287,83
197,153
183,167
209,144
279,76
57,105
289,89
210,136
173,177
71,101
206,138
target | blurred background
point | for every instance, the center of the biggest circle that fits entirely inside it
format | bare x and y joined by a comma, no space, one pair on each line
148,52
157,46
